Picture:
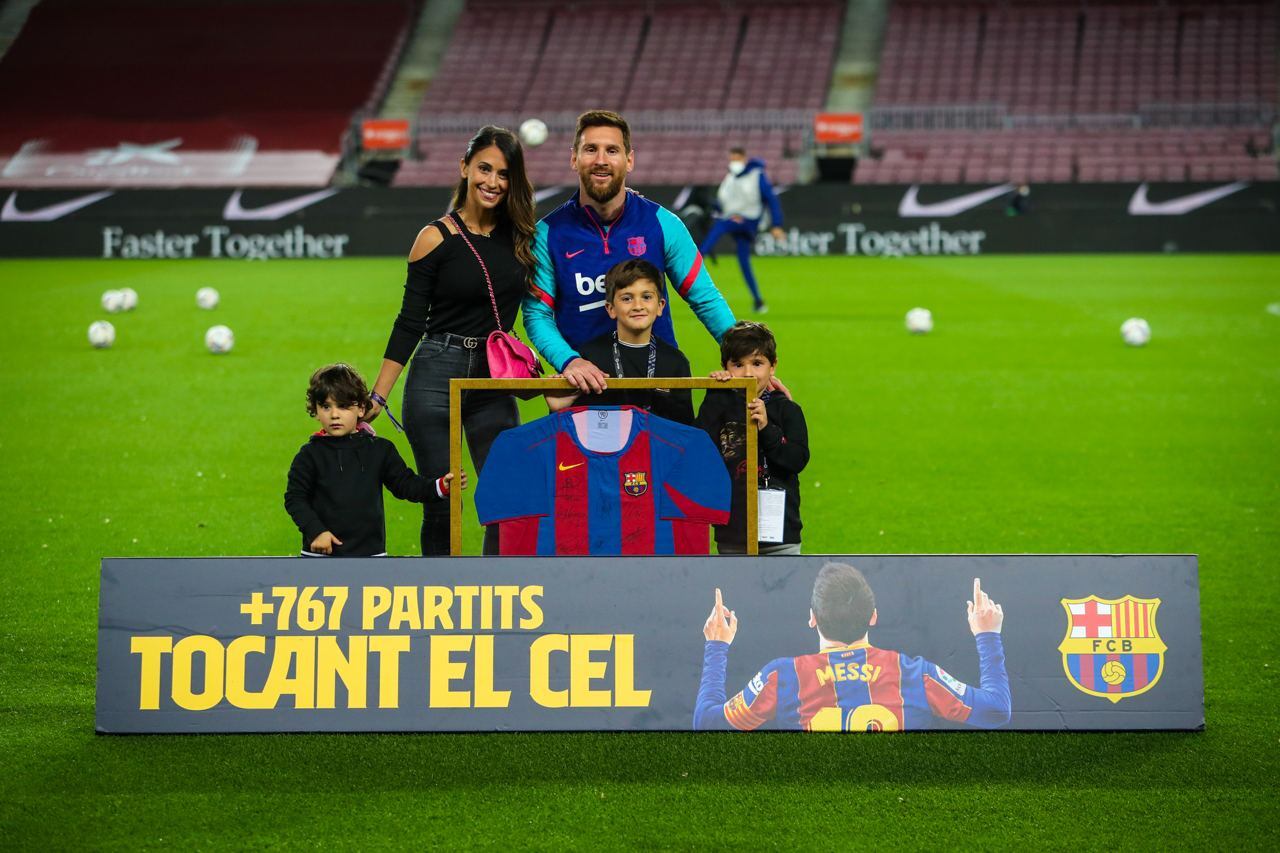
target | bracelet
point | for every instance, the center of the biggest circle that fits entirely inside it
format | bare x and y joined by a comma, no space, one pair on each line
382,401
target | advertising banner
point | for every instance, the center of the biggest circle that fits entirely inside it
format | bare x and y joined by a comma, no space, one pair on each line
818,643
820,220
384,134
836,128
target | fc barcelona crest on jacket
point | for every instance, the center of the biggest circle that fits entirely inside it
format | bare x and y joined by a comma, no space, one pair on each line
635,483
636,246
1112,648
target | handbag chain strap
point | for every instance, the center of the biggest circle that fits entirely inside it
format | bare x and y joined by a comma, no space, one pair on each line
493,300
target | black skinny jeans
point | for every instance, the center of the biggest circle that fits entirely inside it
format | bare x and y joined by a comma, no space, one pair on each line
438,359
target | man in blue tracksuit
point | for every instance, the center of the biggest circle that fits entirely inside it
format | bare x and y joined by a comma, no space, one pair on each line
603,224
740,204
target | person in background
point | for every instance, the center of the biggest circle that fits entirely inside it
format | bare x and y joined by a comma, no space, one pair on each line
740,205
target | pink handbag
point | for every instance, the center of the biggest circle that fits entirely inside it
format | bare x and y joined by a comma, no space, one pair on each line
508,356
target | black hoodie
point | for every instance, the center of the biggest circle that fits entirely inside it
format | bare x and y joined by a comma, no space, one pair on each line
335,484
783,447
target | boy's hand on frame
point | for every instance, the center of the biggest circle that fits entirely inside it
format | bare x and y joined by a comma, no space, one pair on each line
721,375
759,416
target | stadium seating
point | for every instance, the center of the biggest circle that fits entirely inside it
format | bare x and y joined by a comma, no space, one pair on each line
267,82
692,77
1075,91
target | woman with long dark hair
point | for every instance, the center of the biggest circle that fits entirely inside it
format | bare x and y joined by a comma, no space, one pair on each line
448,312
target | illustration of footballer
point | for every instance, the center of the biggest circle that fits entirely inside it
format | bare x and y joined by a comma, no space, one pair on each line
850,685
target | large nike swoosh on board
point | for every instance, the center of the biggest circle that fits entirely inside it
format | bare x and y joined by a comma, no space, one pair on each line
49,212
952,206
275,210
1139,206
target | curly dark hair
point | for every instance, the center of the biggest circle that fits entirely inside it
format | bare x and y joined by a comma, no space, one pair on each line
340,381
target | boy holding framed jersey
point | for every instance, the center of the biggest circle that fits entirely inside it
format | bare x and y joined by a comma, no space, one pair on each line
749,350
633,300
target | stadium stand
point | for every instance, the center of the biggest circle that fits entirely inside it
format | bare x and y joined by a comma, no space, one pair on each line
149,92
693,78
1081,91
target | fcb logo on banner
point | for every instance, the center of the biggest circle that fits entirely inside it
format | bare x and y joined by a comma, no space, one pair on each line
1112,648
635,245
635,483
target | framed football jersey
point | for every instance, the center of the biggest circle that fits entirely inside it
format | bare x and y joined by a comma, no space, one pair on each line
605,481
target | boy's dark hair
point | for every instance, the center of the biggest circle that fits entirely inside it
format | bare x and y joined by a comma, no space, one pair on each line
627,273
842,603
341,382
602,118
745,337
739,150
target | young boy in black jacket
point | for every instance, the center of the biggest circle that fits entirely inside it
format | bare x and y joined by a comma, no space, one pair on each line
749,350
335,482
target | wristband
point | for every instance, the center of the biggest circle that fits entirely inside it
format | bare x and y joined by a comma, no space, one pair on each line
382,401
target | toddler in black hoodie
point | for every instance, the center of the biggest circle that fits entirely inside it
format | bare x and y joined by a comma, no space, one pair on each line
335,482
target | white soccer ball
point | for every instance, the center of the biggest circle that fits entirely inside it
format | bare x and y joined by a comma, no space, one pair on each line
919,321
113,302
1135,331
102,334
207,298
533,132
130,297
219,339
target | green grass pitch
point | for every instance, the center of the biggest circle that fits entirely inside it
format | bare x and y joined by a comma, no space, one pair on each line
1022,424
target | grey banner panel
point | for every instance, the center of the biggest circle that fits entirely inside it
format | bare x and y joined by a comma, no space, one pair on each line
589,643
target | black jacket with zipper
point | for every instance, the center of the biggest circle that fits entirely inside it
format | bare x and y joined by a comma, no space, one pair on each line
335,484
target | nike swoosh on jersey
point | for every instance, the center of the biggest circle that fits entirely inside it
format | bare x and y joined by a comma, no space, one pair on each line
564,467
1140,206
574,254
49,212
950,207
276,210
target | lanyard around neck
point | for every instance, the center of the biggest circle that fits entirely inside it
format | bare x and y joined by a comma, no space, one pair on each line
653,357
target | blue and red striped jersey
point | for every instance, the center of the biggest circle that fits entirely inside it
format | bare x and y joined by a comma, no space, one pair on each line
573,250
549,494
854,688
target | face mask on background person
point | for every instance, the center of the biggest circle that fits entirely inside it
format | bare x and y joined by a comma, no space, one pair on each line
736,166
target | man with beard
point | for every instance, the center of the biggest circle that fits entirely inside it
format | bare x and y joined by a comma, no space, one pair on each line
604,223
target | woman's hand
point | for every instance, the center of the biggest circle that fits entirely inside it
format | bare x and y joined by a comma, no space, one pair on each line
372,410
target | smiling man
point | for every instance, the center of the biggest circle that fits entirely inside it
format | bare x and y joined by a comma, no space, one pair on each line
604,223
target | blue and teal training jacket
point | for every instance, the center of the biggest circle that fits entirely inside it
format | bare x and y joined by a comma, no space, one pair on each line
573,250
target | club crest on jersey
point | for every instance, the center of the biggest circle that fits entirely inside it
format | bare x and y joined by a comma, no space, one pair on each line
635,245
635,483
1112,648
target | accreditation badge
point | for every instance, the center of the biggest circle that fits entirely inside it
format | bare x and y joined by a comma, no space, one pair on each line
772,504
